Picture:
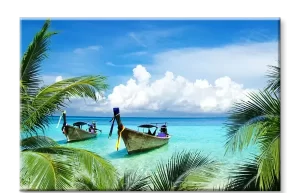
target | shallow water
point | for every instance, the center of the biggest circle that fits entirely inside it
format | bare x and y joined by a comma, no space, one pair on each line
204,134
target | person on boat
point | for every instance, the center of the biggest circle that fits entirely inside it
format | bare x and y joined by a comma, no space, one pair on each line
92,128
163,131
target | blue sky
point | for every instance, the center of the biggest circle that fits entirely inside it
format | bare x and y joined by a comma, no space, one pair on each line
205,50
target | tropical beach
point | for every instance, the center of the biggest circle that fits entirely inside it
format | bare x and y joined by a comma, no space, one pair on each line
144,129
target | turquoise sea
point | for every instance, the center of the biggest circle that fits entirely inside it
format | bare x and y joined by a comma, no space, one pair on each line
206,134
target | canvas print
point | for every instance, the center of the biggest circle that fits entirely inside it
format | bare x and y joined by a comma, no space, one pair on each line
150,105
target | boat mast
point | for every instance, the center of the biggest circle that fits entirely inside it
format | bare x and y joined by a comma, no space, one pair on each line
65,118
118,117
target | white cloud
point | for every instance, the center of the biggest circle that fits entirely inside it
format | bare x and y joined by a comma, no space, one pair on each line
110,64
192,80
151,36
84,50
58,78
141,74
134,36
172,93
139,53
242,62
50,79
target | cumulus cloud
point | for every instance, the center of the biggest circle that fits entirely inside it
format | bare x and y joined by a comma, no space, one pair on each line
246,63
172,93
200,79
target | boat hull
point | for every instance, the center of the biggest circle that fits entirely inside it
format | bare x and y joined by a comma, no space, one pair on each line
76,134
138,142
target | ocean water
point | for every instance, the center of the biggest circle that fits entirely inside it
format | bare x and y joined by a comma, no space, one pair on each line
205,134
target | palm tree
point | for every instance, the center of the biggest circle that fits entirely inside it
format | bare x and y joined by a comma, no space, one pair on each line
44,164
257,121
185,170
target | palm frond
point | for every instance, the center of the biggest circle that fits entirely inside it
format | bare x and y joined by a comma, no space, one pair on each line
32,58
274,79
133,181
83,160
173,174
54,97
37,142
246,118
84,182
42,171
269,160
244,177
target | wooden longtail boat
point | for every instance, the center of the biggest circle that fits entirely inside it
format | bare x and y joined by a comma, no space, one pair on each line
136,141
75,132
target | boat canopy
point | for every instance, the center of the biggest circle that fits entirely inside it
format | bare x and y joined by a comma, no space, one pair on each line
80,123
147,126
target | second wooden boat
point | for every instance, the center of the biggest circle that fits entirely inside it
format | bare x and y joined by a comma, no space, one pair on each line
136,141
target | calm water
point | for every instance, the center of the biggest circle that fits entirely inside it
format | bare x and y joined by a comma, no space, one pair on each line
205,134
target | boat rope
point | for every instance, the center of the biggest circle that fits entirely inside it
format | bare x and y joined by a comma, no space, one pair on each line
119,136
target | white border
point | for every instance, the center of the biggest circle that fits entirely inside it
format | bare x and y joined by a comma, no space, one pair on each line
151,17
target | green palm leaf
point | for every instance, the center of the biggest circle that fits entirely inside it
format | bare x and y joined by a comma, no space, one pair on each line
45,164
37,142
274,79
32,58
78,160
245,177
269,160
246,118
54,97
258,121
87,161
84,182
41,171
173,175
133,181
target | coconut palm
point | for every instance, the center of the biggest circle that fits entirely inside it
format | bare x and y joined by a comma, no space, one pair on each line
44,164
257,121
186,170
